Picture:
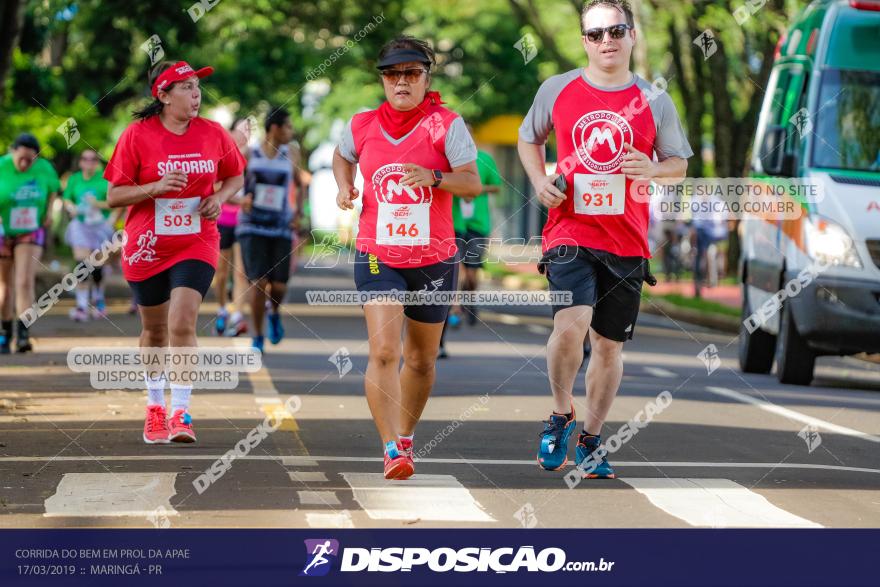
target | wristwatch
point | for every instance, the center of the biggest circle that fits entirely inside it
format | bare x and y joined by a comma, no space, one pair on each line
438,177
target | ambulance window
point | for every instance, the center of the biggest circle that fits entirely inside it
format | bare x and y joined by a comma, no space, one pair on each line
795,112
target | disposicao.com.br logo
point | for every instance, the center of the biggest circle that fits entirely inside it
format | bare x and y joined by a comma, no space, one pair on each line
442,560
320,554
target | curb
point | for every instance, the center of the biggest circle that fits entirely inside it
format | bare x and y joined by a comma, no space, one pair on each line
720,322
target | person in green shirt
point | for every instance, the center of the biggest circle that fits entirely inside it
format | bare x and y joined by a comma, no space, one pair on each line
91,224
28,185
472,222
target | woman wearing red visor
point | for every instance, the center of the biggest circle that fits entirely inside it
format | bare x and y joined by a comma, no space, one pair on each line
414,154
165,167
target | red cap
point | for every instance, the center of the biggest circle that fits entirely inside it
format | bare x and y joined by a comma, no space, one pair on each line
178,72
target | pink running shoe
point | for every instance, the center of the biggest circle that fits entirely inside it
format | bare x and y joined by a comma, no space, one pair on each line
180,427
155,426
406,449
79,315
397,464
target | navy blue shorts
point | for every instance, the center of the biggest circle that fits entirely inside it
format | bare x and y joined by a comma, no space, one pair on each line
611,284
227,236
266,257
371,274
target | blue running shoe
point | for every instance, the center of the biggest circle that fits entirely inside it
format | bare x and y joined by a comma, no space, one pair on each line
553,450
276,329
257,343
454,320
4,345
590,458
220,322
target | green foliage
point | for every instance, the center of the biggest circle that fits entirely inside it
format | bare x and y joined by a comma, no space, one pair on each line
89,65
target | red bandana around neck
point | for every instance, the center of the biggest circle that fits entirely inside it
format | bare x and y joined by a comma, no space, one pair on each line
398,123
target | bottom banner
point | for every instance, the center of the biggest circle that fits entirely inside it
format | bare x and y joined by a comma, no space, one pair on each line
696,557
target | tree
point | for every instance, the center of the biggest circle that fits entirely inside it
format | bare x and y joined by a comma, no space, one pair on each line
11,20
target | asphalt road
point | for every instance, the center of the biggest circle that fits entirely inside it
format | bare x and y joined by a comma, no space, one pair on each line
729,450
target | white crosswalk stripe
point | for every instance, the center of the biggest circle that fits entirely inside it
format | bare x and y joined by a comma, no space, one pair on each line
329,520
320,498
113,494
425,497
715,503
308,476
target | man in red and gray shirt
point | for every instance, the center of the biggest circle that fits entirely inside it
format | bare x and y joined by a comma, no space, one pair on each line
609,124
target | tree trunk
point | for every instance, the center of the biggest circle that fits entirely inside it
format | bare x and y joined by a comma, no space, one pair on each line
689,79
11,21
640,51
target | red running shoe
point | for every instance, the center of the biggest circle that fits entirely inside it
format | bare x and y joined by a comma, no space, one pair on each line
155,426
397,464
180,427
406,446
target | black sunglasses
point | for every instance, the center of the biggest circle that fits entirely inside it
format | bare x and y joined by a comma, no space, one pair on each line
410,75
597,35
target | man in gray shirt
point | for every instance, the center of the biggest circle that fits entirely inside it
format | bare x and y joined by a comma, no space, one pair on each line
613,131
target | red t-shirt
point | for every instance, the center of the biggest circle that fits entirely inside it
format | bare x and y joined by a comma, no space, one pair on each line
166,229
592,124
402,226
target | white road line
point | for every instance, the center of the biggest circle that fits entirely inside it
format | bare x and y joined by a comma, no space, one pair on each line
659,372
422,497
292,460
113,494
329,520
715,503
298,462
326,498
537,329
791,414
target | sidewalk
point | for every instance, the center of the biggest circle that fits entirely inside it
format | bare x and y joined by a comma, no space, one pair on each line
726,294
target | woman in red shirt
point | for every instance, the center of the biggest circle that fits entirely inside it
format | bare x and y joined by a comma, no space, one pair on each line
413,154
164,168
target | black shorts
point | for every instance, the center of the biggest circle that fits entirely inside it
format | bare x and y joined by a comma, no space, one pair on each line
227,236
371,274
472,247
611,284
266,257
156,290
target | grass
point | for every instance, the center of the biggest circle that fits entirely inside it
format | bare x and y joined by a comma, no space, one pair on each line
699,304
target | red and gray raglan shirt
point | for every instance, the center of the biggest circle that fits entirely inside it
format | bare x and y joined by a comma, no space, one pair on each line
406,227
592,124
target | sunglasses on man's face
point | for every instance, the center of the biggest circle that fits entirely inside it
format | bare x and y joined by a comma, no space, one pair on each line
597,35
410,75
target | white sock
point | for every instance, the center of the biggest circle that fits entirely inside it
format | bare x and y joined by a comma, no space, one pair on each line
155,390
180,397
236,316
82,298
